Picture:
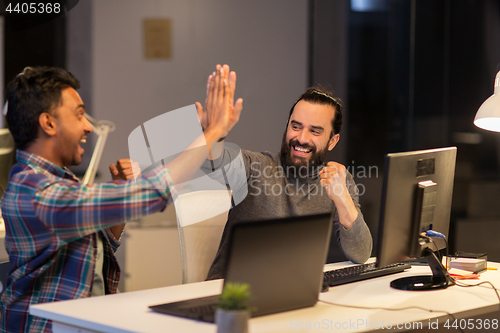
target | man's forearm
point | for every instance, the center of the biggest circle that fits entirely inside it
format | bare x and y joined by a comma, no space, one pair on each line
346,209
184,166
215,149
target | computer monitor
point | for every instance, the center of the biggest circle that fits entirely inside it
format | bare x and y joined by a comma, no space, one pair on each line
416,201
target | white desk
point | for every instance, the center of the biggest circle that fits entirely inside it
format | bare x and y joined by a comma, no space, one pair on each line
128,312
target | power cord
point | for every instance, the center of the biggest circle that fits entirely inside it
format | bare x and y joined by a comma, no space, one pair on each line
433,233
392,309
464,285
428,234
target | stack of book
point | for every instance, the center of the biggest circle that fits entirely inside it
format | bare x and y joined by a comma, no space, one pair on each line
474,265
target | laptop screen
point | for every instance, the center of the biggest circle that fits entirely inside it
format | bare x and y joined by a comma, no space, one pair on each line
282,261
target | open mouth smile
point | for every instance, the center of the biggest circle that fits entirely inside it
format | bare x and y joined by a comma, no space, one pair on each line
301,151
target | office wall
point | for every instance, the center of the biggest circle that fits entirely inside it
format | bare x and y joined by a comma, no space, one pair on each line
265,42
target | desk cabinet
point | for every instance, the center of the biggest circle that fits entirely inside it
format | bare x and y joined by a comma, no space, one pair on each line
149,255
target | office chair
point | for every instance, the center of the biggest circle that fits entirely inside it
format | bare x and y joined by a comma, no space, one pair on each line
201,217
7,157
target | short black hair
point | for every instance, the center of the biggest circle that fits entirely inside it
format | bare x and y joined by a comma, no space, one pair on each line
32,92
320,95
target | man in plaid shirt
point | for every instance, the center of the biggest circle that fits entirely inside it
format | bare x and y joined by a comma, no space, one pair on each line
61,235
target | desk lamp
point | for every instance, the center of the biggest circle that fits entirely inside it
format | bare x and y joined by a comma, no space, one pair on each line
488,115
102,129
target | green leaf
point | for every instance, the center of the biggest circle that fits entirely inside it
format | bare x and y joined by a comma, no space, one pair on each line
235,296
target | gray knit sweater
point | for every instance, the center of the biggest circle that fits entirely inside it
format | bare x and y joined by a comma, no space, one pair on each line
274,192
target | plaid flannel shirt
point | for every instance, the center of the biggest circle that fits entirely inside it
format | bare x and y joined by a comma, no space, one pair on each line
51,224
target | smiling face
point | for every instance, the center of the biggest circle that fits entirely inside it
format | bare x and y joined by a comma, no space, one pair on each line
307,137
71,128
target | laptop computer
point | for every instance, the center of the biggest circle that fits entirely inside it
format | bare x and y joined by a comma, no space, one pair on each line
282,260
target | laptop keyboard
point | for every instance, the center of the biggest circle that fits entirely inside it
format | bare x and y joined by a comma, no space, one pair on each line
198,308
205,312
203,309
361,272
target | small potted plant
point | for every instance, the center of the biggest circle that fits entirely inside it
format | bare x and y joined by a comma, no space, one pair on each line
232,312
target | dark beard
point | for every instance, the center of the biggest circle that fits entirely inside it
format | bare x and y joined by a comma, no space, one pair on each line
299,166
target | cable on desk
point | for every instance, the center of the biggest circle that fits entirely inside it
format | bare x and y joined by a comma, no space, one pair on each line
391,309
409,307
459,284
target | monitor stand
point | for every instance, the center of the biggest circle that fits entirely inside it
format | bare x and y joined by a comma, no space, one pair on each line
440,279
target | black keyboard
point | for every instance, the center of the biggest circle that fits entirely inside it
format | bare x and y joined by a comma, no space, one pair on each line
361,272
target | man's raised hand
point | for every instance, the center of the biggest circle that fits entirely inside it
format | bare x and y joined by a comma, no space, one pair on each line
220,109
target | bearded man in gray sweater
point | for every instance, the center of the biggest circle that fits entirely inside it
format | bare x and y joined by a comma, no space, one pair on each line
296,181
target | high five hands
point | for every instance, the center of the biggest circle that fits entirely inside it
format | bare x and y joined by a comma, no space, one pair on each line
220,109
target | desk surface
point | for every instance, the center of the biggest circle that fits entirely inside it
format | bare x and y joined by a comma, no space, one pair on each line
129,312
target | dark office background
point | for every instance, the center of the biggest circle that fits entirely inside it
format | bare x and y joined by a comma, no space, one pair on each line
414,73
418,70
